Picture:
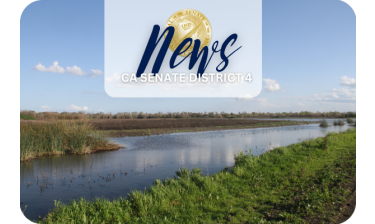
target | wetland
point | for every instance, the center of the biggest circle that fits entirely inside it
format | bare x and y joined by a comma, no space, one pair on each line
144,159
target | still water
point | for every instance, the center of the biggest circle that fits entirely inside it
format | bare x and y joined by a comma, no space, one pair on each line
146,159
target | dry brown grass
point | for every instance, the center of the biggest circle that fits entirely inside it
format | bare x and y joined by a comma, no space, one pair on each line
139,127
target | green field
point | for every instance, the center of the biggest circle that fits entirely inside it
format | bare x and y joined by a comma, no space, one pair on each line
302,183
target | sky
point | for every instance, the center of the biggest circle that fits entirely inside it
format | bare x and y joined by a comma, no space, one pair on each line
308,61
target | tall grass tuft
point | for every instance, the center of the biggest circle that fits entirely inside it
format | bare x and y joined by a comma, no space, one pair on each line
26,117
339,123
59,137
350,120
323,123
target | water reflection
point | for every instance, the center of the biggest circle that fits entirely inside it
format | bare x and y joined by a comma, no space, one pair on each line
144,160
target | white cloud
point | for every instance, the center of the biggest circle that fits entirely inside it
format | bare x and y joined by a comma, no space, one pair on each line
245,97
342,95
55,67
261,101
116,78
77,108
271,85
75,70
249,97
95,72
45,108
264,104
336,95
346,81
40,67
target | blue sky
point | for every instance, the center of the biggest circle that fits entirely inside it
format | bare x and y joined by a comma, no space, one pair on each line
308,60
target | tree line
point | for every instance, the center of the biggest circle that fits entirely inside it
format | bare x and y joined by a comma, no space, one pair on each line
159,115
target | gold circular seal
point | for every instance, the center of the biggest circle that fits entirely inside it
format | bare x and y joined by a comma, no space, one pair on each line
189,23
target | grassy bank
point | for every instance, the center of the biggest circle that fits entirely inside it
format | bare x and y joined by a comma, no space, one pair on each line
59,137
308,182
145,127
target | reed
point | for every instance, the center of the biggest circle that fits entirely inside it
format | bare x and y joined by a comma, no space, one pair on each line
339,123
141,127
350,120
26,117
323,123
148,125
59,137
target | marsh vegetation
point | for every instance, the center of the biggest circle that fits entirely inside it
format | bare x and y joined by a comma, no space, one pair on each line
305,182
59,137
139,127
350,120
324,123
338,122
184,115
26,117
121,128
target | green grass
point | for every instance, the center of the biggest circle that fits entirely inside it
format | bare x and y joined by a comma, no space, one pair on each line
350,120
300,183
59,137
324,123
339,123
26,117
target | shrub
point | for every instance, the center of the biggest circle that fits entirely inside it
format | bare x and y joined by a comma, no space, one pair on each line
323,123
338,123
26,117
350,120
